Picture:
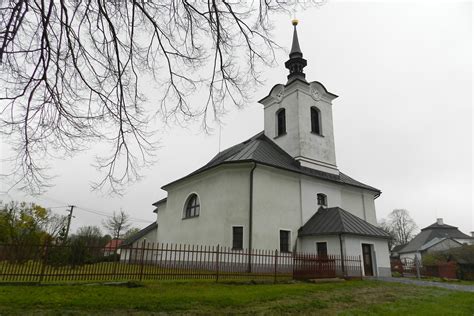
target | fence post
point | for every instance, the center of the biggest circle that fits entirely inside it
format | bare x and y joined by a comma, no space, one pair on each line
276,263
417,266
45,260
293,263
141,260
217,263
360,263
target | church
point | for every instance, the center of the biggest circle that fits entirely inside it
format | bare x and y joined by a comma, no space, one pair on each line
280,189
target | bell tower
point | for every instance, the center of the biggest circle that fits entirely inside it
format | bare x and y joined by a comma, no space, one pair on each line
298,115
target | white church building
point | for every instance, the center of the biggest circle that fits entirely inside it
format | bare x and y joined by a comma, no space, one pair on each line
280,189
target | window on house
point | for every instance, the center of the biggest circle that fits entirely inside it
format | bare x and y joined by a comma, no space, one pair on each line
237,237
322,199
284,241
315,121
192,206
281,122
322,249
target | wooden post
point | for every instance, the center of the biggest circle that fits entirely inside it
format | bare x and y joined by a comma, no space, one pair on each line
276,264
417,266
342,257
45,260
141,261
217,263
360,261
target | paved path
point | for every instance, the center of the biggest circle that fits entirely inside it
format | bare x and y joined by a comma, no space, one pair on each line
449,286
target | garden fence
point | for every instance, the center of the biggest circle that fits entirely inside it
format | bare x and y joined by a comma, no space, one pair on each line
157,261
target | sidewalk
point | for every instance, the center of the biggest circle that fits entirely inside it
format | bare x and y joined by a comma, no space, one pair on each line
449,286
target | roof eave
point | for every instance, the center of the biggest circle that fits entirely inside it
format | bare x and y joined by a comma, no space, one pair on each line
342,233
269,165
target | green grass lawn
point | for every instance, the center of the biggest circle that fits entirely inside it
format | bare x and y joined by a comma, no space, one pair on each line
207,297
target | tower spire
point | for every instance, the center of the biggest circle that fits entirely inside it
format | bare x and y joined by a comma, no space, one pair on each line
296,63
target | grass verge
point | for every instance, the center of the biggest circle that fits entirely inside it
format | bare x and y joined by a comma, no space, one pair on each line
193,297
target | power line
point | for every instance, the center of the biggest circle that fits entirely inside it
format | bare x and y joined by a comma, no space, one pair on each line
106,214
86,209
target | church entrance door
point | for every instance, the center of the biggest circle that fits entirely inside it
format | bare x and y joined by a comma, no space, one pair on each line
367,258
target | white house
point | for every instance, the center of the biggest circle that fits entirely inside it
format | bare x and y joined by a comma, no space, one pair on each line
436,237
280,189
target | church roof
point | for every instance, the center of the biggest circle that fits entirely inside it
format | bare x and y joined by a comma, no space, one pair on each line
431,232
262,150
335,220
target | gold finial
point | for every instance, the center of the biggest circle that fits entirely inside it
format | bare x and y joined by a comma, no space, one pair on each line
294,22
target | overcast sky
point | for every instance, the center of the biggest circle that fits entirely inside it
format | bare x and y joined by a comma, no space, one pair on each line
403,119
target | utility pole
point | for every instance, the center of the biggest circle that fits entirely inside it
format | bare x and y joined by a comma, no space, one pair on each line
69,217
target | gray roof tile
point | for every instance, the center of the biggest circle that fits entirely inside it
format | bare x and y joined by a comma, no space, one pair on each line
261,149
431,232
335,220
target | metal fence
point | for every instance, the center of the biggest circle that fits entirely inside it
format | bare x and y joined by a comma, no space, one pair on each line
157,261
450,270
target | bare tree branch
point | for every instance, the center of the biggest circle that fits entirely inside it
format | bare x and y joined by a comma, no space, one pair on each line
71,72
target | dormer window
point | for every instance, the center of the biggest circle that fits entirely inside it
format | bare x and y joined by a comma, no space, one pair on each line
322,199
192,207
316,121
281,122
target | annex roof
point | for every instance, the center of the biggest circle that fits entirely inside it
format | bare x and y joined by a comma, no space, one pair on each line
436,241
335,220
260,149
130,240
431,232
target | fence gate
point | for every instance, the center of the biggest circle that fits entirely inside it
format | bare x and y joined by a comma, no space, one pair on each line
310,266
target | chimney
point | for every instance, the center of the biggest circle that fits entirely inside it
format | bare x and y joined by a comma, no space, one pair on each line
439,221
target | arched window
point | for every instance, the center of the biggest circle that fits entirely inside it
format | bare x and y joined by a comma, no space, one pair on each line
322,199
281,122
192,206
316,121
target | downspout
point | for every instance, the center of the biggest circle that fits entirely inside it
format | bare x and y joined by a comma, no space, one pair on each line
251,217
342,256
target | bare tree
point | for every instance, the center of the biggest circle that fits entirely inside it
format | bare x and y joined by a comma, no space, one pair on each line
132,231
117,224
55,225
401,226
72,72
386,226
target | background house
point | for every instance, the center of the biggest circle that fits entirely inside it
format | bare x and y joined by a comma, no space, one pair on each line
436,237
112,247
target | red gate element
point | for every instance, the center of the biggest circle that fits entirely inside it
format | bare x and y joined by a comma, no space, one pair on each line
441,270
310,266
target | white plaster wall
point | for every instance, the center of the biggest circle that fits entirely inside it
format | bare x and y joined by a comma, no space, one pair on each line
313,146
276,206
308,244
310,187
369,205
297,99
224,201
290,141
359,203
353,247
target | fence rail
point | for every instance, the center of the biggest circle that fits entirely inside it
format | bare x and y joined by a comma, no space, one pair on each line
157,261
